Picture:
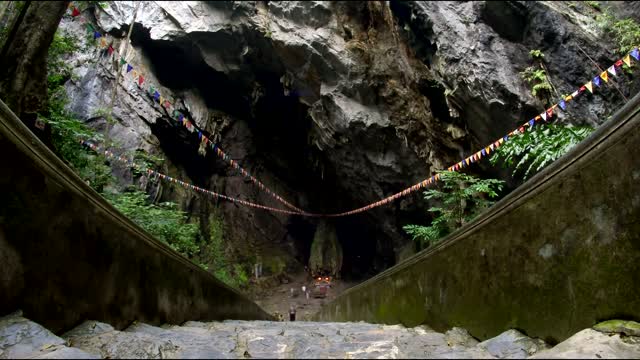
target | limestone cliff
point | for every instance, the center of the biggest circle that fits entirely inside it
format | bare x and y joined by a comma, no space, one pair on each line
331,104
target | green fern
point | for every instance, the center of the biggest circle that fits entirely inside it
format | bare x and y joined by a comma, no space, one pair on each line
535,149
461,197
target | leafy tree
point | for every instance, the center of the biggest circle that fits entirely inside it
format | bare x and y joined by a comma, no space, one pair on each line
461,198
535,149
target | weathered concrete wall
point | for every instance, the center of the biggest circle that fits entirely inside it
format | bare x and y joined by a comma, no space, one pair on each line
554,257
67,255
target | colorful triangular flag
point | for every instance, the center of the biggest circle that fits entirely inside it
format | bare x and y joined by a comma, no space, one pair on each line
129,68
96,35
544,116
627,60
140,80
549,112
110,50
531,122
635,53
612,70
596,81
562,105
156,95
604,76
589,87
75,12
103,42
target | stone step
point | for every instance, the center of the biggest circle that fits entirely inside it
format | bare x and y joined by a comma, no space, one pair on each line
22,338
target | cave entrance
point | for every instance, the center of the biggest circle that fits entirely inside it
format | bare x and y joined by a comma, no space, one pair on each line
280,126
360,260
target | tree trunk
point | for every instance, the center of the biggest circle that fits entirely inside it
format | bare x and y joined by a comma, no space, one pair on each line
23,63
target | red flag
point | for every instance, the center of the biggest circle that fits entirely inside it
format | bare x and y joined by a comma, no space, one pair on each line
110,49
75,12
140,80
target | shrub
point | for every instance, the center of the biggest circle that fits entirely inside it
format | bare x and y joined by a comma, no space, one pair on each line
626,33
535,149
462,197
164,221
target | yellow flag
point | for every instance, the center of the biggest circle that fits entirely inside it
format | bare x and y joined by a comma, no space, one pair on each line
627,60
604,76
589,87
103,42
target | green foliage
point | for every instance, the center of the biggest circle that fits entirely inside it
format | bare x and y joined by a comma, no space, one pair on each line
461,197
536,54
535,149
594,4
164,221
66,129
58,71
626,33
233,275
537,77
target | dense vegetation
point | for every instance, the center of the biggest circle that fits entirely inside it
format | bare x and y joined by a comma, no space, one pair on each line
165,221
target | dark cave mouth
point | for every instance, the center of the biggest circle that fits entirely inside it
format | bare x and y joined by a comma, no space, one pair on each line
280,125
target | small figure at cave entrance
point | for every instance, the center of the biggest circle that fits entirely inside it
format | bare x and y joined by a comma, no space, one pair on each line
292,313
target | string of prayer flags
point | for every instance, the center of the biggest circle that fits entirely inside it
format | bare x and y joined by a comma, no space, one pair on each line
475,157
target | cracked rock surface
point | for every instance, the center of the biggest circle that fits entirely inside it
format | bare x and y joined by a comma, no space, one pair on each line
20,337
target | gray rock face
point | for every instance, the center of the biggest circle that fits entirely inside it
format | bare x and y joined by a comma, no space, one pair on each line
512,344
591,344
20,337
333,105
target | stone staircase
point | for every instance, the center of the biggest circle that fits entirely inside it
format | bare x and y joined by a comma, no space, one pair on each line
22,338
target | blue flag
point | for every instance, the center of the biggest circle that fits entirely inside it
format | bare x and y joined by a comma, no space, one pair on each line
96,35
596,81
129,67
531,122
562,104
180,117
483,152
635,53
156,95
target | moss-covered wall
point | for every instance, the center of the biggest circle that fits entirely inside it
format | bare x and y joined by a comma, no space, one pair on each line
66,255
557,255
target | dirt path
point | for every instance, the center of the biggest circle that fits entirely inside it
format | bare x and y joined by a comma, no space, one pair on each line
277,299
